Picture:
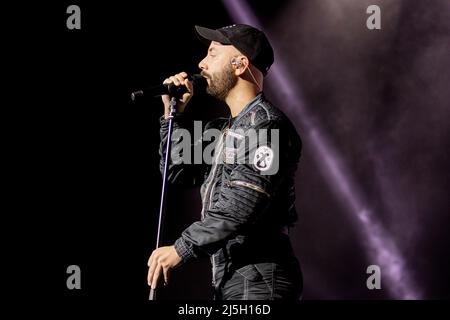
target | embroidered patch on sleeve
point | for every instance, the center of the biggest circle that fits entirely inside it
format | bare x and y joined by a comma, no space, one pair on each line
263,158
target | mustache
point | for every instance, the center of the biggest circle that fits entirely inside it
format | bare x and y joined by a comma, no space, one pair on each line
204,74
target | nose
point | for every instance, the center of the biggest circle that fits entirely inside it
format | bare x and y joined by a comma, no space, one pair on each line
202,64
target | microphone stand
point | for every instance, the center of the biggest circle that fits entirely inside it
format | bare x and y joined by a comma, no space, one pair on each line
162,207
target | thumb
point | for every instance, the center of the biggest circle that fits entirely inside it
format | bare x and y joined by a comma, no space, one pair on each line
189,86
165,99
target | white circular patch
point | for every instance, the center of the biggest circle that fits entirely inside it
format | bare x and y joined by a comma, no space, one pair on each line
263,158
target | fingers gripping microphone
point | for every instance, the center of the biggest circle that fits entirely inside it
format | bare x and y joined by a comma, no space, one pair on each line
170,89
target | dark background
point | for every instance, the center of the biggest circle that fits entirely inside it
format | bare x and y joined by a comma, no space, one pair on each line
91,164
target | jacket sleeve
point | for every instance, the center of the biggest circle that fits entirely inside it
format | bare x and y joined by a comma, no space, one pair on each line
240,203
179,172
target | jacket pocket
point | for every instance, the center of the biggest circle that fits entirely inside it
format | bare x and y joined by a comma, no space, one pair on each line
247,185
250,272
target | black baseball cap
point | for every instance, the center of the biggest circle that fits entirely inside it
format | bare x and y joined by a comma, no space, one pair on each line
252,42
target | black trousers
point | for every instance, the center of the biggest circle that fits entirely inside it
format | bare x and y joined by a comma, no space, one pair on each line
261,281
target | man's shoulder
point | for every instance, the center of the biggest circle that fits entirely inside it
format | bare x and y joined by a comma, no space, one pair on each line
263,113
266,115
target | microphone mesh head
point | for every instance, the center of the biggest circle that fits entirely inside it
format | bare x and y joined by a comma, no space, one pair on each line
136,94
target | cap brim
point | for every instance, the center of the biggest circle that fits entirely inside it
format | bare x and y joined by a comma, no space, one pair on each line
207,35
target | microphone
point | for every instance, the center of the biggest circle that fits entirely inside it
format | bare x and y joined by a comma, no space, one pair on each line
170,89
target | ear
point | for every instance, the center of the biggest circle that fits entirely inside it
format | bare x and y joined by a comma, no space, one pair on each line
240,64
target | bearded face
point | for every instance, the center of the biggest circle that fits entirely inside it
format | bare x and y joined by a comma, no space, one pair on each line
220,83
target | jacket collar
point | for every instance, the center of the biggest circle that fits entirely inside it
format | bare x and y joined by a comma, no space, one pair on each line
258,99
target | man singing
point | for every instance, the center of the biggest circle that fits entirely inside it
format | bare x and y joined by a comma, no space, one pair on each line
248,191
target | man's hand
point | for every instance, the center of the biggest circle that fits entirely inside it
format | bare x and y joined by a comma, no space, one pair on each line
162,261
179,79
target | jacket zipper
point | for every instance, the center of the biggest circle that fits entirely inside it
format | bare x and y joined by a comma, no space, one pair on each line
248,185
213,174
213,260
211,186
